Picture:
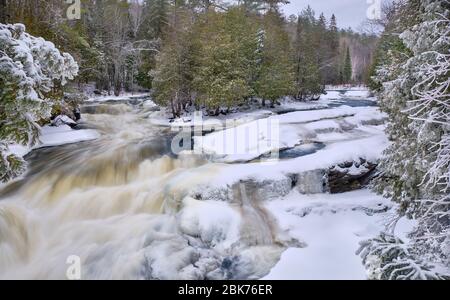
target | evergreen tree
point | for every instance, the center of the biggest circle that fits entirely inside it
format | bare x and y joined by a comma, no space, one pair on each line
273,5
334,51
413,91
306,58
276,75
253,6
156,14
31,80
172,77
347,72
227,46
325,55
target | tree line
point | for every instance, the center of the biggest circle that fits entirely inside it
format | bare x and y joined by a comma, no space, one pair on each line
200,52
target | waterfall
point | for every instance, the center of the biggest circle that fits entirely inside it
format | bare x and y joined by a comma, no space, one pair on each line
123,205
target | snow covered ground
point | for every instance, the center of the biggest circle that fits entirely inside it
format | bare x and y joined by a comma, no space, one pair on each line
333,98
292,129
55,136
122,97
332,227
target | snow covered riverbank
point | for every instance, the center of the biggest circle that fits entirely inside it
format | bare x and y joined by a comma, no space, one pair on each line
332,227
52,136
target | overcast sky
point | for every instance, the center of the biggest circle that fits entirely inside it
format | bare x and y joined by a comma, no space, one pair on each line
349,13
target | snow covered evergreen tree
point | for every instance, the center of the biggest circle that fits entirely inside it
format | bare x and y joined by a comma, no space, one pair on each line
32,72
416,167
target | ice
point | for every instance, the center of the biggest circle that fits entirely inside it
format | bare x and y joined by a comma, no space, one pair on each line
122,97
216,223
279,132
55,136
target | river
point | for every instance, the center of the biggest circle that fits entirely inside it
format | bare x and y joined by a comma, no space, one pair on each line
124,206
120,205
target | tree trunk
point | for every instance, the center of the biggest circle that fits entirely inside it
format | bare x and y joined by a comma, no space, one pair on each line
172,105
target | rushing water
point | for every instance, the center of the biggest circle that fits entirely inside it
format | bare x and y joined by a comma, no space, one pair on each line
122,205
131,209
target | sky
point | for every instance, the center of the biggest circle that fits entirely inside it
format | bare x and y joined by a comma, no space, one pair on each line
349,13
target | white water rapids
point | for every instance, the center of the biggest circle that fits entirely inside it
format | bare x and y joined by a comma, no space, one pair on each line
123,205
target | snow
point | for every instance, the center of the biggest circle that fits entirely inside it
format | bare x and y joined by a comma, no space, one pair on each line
358,94
369,148
289,130
122,97
218,122
32,62
403,227
346,93
149,104
216,223
63,120
56,136
331,95
331,226
316,115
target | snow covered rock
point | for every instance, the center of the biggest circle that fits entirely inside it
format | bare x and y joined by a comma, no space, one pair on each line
350,176
266,189
63,120
311,182
149,105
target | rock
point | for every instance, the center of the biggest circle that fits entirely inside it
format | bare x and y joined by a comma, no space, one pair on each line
69,106
77,113
311,182
267,189
350,176
149,105
63,120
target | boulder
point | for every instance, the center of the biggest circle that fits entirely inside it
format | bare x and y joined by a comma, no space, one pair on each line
63,120
311,182
350,176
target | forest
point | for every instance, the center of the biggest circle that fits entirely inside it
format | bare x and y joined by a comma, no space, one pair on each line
90,107
193,53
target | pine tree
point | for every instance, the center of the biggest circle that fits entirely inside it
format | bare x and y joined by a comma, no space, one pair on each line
274,5
275,79
414,92
347,72
306,58
333,39
31,77
156,14
253,6
172,77
226,62
325,55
